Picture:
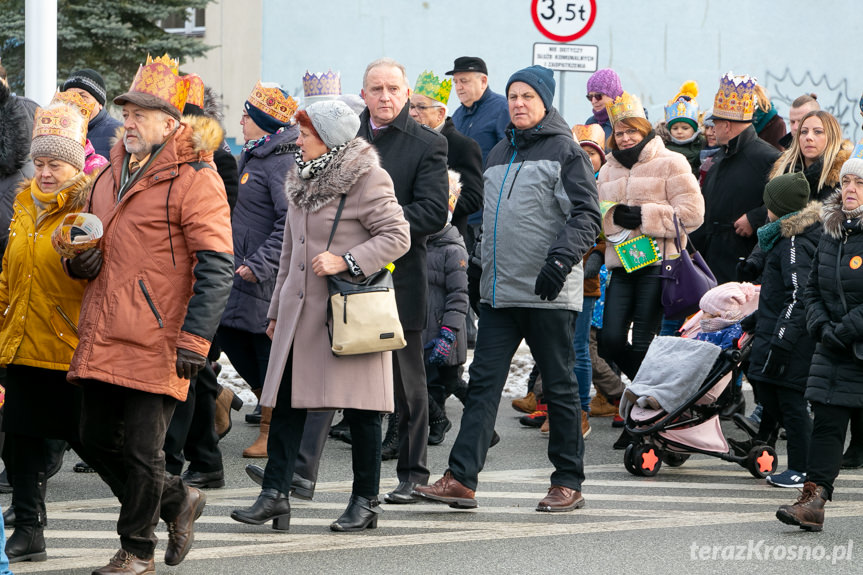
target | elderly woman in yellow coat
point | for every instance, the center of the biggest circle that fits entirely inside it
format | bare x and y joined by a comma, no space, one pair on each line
41,304
303,373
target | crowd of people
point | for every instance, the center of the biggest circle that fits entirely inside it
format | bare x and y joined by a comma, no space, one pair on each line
548,232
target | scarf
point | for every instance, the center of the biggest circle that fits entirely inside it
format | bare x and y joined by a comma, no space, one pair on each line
629,157
851,223
707,152
46,202
712,324
312,168
252,144
761,117
601,117
687,140
768,234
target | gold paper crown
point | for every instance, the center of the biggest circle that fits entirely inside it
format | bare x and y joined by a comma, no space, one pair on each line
429,85
736,98
273,102
171,63
329,84
75,101
196,90
624,106
61,119
589,133
159,78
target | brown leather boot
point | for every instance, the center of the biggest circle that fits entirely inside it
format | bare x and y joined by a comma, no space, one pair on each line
225,402
808,511
124,563
259,448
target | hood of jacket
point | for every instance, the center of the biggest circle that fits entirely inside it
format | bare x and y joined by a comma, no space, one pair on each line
834,217
348,166
14,133
448,235
552,124
802,220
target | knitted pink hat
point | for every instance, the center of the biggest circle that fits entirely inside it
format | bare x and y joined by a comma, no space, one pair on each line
730,301
605,81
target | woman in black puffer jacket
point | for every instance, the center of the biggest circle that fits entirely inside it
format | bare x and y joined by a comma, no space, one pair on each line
834,318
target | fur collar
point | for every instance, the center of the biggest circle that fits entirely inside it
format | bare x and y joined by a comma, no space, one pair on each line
77,192
833,174
802,220
196,139
834,218
341,173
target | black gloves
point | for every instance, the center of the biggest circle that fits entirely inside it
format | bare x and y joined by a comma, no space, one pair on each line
551,277
747,271
831,340
189,363
777,362
86,265
593,264
628,217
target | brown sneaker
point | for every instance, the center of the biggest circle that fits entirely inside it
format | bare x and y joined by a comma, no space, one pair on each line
526,404
181,531
601,407
545,428
585,424
447,489
124,563
561,499
808,511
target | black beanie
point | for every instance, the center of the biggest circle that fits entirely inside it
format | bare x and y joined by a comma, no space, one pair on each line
540,79
786,194
90,81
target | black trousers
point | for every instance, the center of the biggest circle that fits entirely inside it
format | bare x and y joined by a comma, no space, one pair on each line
631,299
315,435
411,395
286,433
249,353
123,431
786,406
549,333
827,443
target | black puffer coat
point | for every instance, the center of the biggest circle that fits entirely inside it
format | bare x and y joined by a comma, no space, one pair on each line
15,127
781,309
447,300
836,377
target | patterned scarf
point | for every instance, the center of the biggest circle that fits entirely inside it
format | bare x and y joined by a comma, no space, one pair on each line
252,144
768,234
312,168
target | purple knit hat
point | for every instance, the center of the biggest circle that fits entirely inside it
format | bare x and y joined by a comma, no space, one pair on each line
605,81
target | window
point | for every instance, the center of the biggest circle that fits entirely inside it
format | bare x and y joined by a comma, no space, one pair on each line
190,22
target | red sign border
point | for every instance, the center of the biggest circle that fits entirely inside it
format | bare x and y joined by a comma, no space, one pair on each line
555,37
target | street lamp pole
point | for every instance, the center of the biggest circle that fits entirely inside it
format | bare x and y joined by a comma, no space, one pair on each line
40,50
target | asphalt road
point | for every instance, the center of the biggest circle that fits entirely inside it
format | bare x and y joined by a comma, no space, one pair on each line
707,516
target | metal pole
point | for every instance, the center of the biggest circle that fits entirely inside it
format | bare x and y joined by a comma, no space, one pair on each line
562,100
40,50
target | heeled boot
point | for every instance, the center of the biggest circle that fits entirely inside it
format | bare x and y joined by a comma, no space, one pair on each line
271,504
226,400
27,543
362,513
258,449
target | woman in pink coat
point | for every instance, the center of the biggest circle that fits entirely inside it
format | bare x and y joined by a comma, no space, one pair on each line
303,373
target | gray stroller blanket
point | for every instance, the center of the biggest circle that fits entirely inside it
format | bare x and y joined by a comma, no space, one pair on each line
673,369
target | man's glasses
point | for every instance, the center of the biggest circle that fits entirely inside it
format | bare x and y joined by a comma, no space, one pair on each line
421,107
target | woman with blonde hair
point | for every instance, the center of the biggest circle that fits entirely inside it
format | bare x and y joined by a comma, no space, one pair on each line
818,151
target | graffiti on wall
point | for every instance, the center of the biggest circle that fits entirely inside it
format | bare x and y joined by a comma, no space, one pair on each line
838,98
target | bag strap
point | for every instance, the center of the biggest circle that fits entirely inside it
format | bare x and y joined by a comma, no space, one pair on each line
336,220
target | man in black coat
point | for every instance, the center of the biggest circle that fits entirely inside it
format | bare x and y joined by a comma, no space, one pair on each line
415,158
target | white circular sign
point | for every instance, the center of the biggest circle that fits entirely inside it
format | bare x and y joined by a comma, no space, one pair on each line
563,20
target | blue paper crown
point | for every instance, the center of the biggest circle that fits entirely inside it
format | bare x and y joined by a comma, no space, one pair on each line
858,150
329,84
682,109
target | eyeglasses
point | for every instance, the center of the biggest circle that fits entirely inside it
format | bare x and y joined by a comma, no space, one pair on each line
594,96
421,107
628,133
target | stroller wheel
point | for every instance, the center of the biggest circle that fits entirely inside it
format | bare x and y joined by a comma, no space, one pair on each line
761,461
629,459
674,459
642,459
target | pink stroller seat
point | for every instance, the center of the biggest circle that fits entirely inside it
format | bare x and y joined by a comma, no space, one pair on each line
713,394
707,436
640,414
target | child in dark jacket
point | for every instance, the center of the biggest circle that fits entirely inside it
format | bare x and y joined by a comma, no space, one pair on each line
682,134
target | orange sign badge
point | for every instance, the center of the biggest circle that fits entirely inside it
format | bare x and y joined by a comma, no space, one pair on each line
856,262
245,178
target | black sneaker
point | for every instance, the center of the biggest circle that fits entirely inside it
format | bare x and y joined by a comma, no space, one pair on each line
853,457
438,429
535,419
624,440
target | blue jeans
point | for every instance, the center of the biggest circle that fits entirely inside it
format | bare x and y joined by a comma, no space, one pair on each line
4,561
583,369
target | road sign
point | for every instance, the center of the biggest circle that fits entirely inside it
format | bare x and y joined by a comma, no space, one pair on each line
566,57
562,20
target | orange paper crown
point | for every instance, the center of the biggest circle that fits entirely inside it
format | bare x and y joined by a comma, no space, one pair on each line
75,100
61,119
589,133
196,90
272,101
159,78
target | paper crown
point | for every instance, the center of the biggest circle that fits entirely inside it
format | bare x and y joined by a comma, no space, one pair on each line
270,100
61,119
324,85
625,106
196,90
683,106
75,100
736,98
858,150
429,85
589,133
160,78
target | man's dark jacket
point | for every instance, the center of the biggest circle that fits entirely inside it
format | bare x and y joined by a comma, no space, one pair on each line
464,157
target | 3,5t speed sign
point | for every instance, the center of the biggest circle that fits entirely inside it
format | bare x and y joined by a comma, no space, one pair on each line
563,20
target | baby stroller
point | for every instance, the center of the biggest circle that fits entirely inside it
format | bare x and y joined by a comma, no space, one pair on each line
671,435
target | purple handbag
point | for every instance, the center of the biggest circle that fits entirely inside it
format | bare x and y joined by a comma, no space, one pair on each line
684,280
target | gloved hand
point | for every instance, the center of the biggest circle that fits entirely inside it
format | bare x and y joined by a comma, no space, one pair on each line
628,217
86,265
189,363
747,271
593,264
777,362
831,340
442,347
551,277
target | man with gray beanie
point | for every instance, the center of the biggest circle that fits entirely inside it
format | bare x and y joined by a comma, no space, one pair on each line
537,228
102,128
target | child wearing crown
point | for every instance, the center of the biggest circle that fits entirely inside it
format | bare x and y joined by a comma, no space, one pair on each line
681,132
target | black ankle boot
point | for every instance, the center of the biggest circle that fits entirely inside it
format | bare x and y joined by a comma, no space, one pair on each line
27,543
390,445
9,516
361,513
271,504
